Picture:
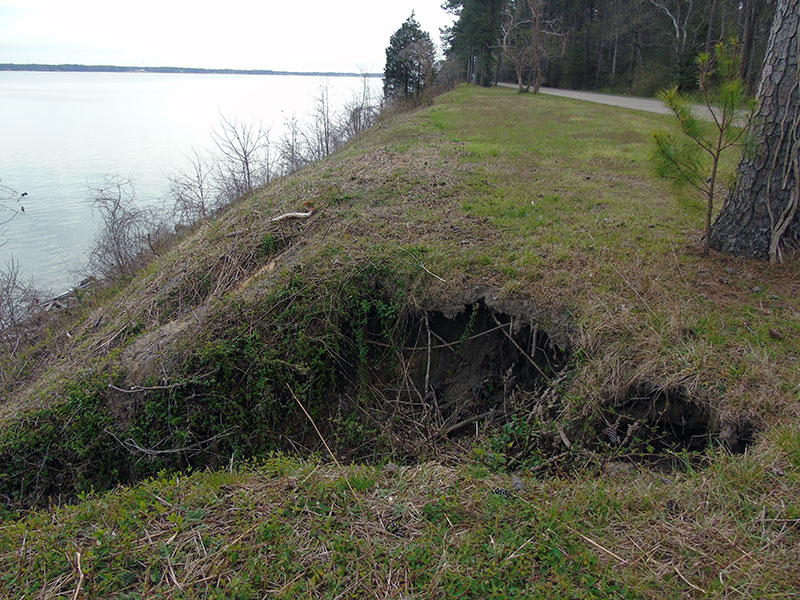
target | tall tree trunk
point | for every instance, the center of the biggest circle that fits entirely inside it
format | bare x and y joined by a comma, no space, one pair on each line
616,26
760,217
710,31
598,69
751,9
536,44
587,19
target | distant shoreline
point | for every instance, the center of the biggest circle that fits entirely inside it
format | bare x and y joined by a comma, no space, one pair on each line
72,68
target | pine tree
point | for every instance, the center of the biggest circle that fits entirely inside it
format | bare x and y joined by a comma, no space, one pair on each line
409,62
476,36
760,218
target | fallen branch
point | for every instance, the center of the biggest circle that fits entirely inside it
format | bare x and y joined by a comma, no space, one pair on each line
77,591
292,215
437,346
141,388
518,347
133,447
465,422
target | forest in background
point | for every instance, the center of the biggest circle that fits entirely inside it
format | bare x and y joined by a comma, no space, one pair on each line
629,46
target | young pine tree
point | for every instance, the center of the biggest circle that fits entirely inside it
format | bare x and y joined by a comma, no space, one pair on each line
694,156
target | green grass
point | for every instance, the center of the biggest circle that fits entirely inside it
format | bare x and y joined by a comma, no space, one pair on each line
289,528
546,204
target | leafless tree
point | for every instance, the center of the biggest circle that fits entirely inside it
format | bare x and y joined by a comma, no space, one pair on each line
291,148
244,160
360,112
422,54
680,14
17,297
321,137
17,301
517,42
10,205
448,73
544,33
129,234
191,189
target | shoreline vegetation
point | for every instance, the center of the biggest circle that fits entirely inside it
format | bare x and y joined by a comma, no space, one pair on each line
75,68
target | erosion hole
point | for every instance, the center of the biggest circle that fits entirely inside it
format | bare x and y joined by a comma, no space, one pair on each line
457,371
655,422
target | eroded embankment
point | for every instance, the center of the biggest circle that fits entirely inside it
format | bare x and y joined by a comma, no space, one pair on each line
378,377
455,293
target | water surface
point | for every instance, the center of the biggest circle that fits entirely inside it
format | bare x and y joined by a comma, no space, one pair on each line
63,133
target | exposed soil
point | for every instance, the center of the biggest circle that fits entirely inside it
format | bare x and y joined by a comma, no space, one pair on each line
657,422
463,367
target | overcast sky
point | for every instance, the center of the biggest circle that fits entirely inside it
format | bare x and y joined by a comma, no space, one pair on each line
304,35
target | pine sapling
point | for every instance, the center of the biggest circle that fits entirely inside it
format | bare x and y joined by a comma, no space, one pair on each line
731,112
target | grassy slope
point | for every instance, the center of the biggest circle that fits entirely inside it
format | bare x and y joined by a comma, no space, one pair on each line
538,198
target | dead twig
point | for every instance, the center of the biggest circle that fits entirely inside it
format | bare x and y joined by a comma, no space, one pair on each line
438,346
80,577
689,583
142,388
422,266
322,439
525,543
564,438
543,465
633,289
428,366
598,546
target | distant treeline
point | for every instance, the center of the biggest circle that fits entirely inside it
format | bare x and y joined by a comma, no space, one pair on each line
627,46
117,69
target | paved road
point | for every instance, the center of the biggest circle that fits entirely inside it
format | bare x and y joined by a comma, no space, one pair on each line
645,104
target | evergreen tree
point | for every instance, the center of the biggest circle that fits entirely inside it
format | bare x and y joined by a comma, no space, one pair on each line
409,62
476,36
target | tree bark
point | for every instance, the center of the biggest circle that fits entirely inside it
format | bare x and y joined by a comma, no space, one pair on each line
760,218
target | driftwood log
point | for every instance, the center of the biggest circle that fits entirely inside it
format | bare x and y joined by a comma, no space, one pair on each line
292,215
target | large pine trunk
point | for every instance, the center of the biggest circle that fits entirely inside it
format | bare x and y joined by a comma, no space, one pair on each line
760,218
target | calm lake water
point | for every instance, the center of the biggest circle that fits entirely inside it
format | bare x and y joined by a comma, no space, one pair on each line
62,133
